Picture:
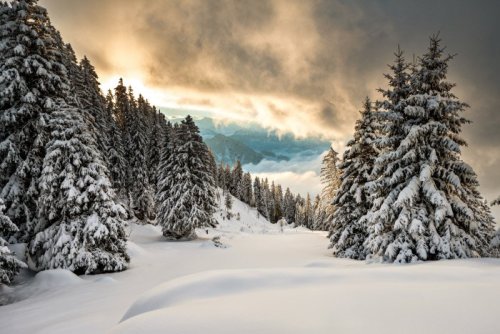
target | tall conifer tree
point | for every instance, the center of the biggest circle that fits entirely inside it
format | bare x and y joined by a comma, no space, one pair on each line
352,200
427,205
186,189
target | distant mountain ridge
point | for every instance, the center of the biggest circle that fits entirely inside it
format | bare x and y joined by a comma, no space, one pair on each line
229,150
252,143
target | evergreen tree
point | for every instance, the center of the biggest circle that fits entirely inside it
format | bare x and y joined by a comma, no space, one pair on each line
259,197
9,264
221,177
426,204
278,202
154,137
319,214
289,206
228,201
115,152
186,189
93,104
227,177
308,213
140,190
79,225
300,214
246,189
271,203
352,200
330,177
32,79
236,180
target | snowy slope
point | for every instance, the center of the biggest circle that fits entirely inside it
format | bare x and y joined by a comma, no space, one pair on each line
263,281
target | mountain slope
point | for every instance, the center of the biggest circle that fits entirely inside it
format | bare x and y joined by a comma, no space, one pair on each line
228,150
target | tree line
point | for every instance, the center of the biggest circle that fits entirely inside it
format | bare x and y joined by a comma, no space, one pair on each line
76,166
274,204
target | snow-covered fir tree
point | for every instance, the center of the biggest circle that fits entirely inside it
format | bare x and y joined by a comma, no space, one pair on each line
228,201
270,202
115,151
259,197
352,202
93,104
80,226
426,204
308,212
319,214
236,181
227,177
300,215
330,178
277,192
246,189
289,205
142,192
221,177
9,264
32,79
186,196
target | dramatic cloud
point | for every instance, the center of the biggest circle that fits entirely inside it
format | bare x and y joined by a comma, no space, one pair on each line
300,66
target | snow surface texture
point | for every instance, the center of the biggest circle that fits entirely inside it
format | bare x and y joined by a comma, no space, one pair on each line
263,281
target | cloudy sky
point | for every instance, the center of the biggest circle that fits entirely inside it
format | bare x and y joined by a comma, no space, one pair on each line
298,66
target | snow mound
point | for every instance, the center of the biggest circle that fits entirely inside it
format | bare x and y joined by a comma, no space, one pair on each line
134,249
105,280
214,284
391,299
56,278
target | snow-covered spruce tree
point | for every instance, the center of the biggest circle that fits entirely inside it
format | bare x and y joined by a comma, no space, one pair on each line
228,202
330,177
308,212
227,177
247,192
289,206
427,206
115,152
221,177
93,104
260,201
140,191
320,214
236,180
80,227
278,202
351,201
186,197
271,203
300,215
9,264
32,78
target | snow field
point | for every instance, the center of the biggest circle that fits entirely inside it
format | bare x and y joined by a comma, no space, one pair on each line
264,281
